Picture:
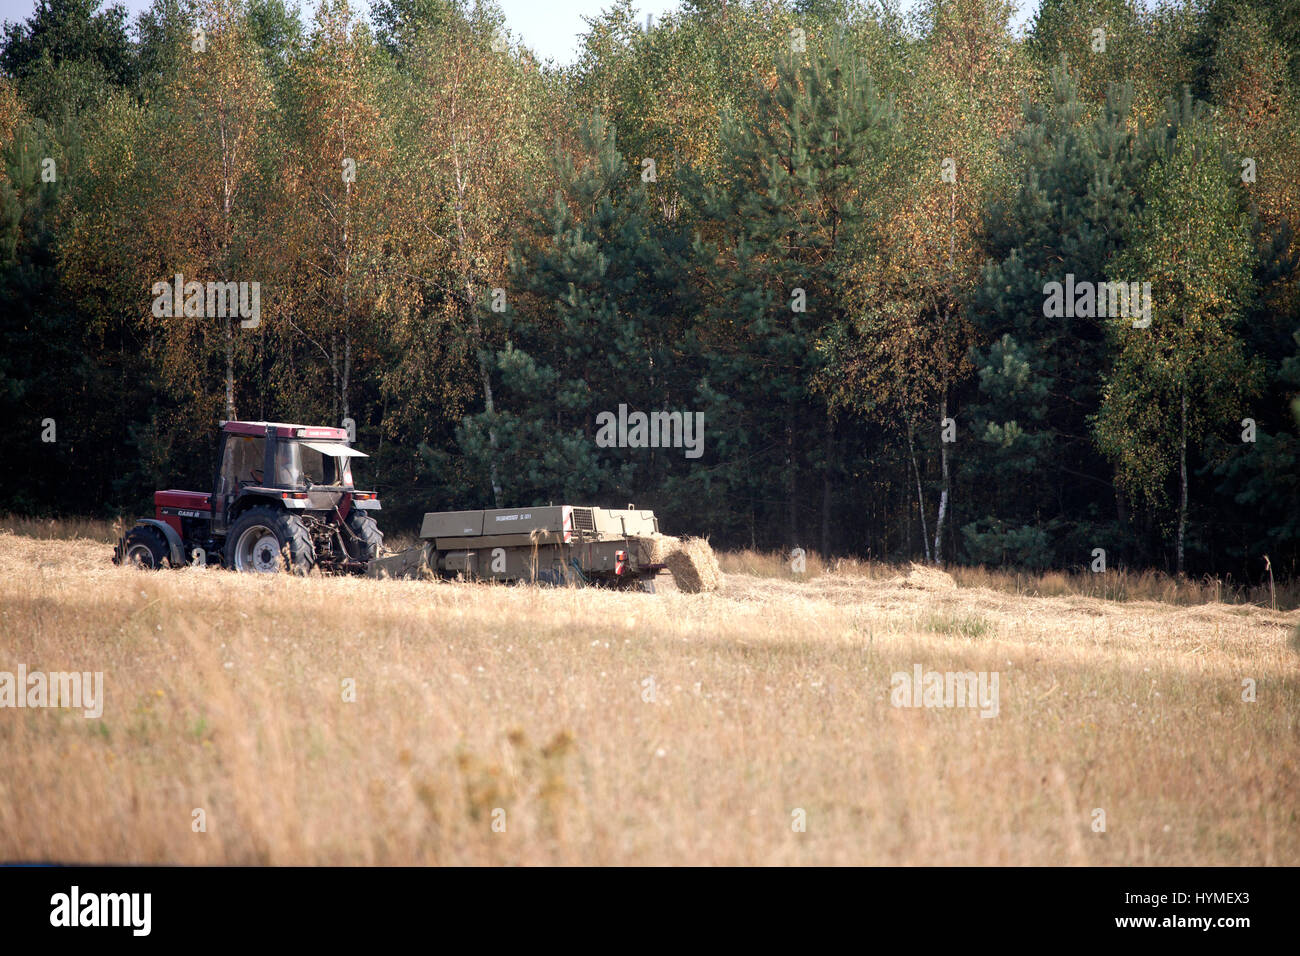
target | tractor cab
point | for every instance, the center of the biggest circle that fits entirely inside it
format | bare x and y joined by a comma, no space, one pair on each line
295,467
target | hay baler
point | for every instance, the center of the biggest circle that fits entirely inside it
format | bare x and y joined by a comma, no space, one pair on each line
556,544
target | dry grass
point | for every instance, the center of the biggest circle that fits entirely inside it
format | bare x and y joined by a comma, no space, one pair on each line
62,529
1112,585
770,696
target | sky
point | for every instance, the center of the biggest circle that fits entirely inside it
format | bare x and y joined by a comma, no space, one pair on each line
549,27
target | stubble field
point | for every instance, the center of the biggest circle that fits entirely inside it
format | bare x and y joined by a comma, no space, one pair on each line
514,725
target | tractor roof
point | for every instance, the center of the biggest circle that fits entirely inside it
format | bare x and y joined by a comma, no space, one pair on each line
285,430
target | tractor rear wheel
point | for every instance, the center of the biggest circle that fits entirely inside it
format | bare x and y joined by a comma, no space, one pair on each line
366,540
145,547
265,541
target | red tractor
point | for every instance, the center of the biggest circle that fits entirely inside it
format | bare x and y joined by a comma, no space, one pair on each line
282,499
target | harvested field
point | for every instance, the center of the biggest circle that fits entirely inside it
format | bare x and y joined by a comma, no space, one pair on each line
599,727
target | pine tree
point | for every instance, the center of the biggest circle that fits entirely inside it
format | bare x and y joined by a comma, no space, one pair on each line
778,237
599,321
1046,489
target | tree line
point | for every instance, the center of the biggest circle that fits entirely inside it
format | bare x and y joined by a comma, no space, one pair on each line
884,259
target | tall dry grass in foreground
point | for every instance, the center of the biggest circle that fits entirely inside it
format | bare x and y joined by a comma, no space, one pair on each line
224,693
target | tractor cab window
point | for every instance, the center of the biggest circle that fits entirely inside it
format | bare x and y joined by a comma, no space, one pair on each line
298,465
242,464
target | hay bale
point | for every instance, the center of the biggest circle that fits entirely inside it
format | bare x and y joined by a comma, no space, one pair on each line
694,566
658,546
926,579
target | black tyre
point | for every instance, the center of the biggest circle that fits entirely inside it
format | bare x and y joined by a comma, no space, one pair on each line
144,547
366,541
265,541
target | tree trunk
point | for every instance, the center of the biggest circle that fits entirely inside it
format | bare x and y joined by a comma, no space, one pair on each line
920,495
230,371
347,373
1182,481
906,516
488,402
334,376
909,517
227,204
827,490
347,298
943,495
791,487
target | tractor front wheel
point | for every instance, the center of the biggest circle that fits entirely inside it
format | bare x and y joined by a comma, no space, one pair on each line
265,541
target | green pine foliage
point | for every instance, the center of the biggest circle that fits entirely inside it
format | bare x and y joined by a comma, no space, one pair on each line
1039,376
